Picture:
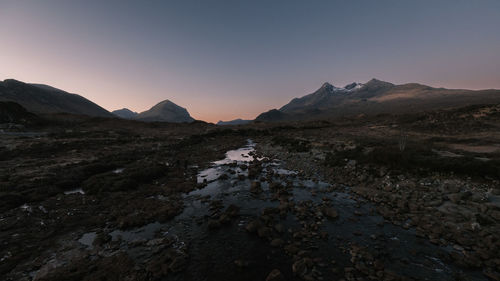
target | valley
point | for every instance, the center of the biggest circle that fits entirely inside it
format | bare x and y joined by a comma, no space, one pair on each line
392,197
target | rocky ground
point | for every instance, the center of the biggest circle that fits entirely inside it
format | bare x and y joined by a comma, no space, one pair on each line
437,173
65,179
353,199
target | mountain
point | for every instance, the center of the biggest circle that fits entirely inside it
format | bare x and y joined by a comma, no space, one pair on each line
165,111
125,113
38,98
376,97
233,122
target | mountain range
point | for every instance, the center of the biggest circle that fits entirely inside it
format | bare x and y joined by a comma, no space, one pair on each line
44,99
375,97
238,121
370,98
165,111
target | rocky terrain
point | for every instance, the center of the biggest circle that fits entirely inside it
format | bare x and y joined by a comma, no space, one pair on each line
406,197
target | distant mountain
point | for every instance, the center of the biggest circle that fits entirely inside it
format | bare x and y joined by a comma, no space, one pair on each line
375,97
233,122
165,111
125,113
40,98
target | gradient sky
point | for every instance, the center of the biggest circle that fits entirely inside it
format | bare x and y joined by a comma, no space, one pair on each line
230,59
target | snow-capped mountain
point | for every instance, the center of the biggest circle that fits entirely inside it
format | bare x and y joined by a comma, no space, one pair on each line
323,97
348,88
375,97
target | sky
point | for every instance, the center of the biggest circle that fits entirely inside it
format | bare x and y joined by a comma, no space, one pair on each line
227,59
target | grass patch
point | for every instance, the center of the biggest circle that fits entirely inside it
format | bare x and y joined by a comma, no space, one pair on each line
417,158
293,145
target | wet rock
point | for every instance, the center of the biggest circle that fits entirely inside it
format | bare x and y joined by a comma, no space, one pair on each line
11,200
253,226
291,249
178,263
101,239
279,228
255,187
277,242
264,232
275,275
301,266
241,263
492,274
275,186
223,177
330,212
455,197
213,224
232,210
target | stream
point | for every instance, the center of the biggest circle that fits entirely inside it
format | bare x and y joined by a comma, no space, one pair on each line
230,252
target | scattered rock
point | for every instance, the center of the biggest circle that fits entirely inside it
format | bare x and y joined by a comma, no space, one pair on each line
275,275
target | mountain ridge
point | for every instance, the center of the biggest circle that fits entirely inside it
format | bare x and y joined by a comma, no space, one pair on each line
44,99
237,121
375,97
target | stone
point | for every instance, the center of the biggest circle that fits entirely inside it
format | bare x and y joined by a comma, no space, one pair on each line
277,242
253,226
241,263
275,275
255,187
264,232
330,212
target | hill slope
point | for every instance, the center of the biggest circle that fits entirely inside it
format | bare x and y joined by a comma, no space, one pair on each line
11,112
39,98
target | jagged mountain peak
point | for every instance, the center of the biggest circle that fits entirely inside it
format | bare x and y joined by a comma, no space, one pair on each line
327,85
329,88
353,86
375,97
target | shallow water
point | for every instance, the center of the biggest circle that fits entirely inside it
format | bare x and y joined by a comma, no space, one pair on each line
212,252
87,239
74,191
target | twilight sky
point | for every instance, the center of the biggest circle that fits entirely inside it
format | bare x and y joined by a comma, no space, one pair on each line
230,59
